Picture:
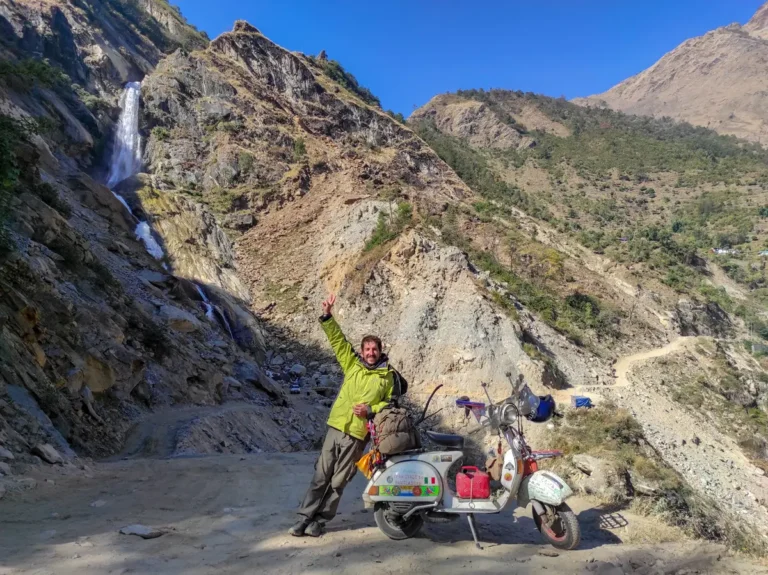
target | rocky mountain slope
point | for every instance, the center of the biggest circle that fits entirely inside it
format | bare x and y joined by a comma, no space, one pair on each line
95,331
169,314
716,80
594,209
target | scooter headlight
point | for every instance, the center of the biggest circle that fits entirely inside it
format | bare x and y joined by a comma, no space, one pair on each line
507,414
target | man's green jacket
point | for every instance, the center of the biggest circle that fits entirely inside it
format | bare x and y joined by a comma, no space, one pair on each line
371,385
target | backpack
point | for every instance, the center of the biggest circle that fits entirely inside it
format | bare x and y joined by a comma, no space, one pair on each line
395,430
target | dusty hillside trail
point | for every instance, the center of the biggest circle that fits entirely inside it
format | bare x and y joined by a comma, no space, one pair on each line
711,462
625,363
229,514
623,366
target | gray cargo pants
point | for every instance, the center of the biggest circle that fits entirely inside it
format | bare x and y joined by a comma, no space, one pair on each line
333,470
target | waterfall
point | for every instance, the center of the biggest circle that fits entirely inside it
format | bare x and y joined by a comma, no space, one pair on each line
208,307
211,311
226,324
126,160
126,157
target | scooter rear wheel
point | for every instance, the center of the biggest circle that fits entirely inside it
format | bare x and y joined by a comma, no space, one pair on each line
559,526
393,525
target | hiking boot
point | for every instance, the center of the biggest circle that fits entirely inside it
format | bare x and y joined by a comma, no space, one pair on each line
314,529
300,527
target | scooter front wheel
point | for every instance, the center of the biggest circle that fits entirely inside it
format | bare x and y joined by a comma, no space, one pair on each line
559,526
393,525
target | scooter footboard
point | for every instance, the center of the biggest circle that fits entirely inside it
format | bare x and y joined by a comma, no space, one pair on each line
543,486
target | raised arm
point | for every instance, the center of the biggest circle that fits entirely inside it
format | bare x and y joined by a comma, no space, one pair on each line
345,355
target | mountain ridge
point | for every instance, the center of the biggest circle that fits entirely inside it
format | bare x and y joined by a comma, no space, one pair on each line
716,80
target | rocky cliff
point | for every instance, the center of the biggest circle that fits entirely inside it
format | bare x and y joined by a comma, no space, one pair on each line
716,80
264,182
301,171
96,332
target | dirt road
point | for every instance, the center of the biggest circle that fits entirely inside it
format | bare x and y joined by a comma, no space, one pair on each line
622,367
623,364
229,515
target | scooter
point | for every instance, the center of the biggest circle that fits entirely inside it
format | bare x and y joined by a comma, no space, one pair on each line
409,488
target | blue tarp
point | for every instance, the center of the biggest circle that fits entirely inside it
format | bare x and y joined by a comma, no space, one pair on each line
580,401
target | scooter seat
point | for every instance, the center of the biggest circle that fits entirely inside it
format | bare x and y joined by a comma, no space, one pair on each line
446,439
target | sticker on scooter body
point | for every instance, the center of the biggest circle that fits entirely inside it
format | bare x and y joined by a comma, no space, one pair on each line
544,486
406,491
407,480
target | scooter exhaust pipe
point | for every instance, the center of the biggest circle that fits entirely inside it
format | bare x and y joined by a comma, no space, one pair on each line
419,508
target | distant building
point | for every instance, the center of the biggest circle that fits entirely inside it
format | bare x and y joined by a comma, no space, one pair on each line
725,251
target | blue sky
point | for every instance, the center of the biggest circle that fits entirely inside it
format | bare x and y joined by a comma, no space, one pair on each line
408,51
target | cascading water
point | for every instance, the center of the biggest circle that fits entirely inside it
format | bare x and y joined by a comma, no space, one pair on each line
208,306
211,311
126,157
126,160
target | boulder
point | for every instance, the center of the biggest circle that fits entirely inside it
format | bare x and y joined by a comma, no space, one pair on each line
693,318
586,463
602,478
48,453
325,381
250,372
178,319
6,455
240,222
155,278
142,531
98,375
298,369
5,469
232,383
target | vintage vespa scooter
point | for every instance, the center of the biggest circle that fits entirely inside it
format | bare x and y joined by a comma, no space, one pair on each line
409,488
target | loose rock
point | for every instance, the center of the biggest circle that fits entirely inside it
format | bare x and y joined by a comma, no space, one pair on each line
548,553
142,531
48,453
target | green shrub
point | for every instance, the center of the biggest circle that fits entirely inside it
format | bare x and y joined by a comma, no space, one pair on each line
338,74
154,339
602,139
50,196
104,278
13,133
23,75
472,167
244,162
299,149
397,116
160,133
94,103
389,226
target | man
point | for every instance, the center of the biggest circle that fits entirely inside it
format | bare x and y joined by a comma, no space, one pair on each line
367,388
